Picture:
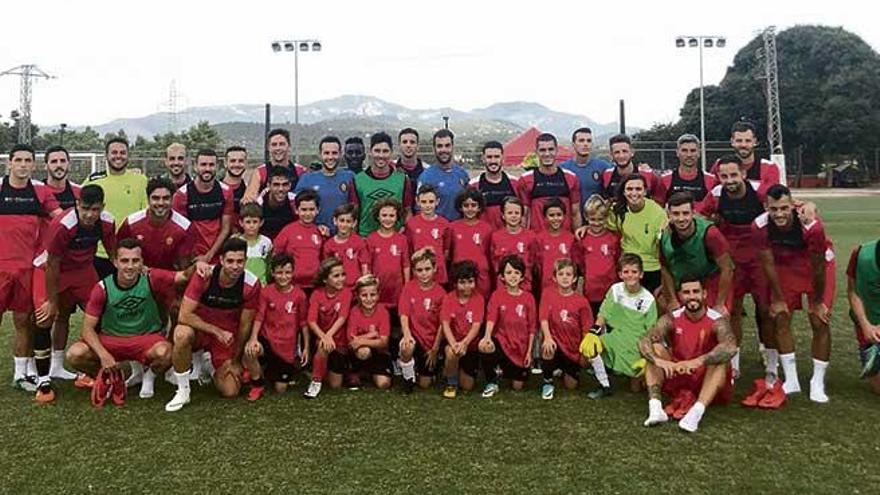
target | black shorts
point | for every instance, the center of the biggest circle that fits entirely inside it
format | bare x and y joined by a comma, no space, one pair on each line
379,363
338,363
510,370
594,306
469,363
421,358
651,280
275,368
561,362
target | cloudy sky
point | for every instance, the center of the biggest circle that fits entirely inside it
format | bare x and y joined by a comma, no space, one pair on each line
117,59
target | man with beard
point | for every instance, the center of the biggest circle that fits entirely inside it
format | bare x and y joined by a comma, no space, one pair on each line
379,182
354,154
687,354
692,245
278,205
278,143
494,184
334,186
165,236
409,161
57,169
550,181
449,179
124,192
688,176
744,140
175,162
588,169
216,314
236,164
207,203
622,156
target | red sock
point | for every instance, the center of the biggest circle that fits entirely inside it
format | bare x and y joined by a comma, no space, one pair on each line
319,367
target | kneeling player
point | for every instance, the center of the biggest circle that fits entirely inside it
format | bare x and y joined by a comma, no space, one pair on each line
216,314
123,320
461,315
419,308
328,311
367,332
565,316
626,314
688,355
863,290
280,320
511,321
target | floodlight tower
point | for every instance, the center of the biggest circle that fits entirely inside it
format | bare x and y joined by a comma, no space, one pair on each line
27,73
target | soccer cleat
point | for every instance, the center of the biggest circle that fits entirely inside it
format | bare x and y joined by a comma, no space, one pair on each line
117,387
136,378
102,388
255,393
490,390
687,401
25,383
673,405
547,391
871,359
45,394
774,398
84,381
450,391
408,386
536,370
353,381
760,389
313,391
817,392
180,399
600,393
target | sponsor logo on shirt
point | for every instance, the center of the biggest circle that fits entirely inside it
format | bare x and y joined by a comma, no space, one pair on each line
168,240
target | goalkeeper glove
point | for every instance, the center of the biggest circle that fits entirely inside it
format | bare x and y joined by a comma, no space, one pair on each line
591,345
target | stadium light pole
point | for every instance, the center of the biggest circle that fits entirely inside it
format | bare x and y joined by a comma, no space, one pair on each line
700,42
296,46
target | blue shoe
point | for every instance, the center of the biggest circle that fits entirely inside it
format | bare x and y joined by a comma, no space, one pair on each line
490,390
870,357
547,391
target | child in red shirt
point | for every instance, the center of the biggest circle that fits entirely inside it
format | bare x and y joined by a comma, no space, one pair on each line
599,251
328,310
427,229
419,309
553,244
302,240
565,317
461,315
510,329
347,245
470,237
367,332
513,239
278,324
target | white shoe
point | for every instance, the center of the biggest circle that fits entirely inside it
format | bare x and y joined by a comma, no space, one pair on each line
791,387
180,399
688,426
313,391
657,418
148,385
817,392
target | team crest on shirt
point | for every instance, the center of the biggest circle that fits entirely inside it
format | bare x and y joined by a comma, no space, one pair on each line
140,237
604,249
435,233
679,330
315,240
595,176
349,253
337,306
640,303
520,310
288,307
440,184
469,317
343,187
563,249
521,247
462,182
477,239
169,240
394,250
426,302
563,316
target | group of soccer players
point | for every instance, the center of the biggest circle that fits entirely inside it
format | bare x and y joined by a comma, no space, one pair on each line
420,274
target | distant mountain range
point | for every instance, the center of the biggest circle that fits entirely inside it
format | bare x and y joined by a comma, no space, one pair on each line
356,114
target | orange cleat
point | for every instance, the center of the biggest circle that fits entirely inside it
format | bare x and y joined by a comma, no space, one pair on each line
756,394
45,394
774,398
688,399
255,393
673,404
84,381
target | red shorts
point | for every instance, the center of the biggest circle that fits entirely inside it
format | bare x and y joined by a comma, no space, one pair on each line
38,285
794,290
15,291
712,293
694,382
133,348
219,353
748,278
76,287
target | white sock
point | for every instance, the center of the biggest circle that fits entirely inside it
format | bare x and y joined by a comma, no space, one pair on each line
819,368
21,364
148,385
32,365
789,366
654,407
408,369
691,421
771,365
182,381
600,372
197,360
734,362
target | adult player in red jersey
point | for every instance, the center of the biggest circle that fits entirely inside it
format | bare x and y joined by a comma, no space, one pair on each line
278,143
797,261
744,140
419,309
175,163
166,236
207,203
688,354
688,176
122,319
23,204
549,181
622,157
57,161
216,314
72,241
494,184
236,165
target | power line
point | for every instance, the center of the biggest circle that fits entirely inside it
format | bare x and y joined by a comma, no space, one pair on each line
27,73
